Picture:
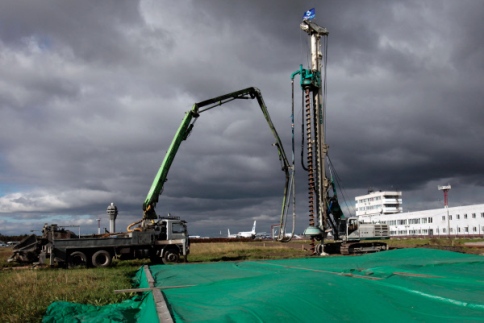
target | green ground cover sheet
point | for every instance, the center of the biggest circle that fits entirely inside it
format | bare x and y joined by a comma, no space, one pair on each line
406,285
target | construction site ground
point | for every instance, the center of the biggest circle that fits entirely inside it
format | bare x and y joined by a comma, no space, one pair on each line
411,284
415,257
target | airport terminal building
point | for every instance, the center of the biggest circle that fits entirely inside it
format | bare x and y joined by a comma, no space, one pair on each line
452,221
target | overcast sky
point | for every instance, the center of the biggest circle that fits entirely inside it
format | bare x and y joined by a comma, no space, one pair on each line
92,92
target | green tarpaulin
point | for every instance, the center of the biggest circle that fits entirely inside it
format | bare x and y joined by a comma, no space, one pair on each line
416,285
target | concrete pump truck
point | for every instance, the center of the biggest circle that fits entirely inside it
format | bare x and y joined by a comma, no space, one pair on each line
162,239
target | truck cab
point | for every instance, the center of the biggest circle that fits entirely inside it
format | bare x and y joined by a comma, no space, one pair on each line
170,241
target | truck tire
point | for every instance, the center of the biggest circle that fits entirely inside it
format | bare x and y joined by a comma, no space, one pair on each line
171,256
77,259
101,258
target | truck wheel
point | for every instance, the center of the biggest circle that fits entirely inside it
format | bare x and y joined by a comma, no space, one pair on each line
101,258
171,256
77,259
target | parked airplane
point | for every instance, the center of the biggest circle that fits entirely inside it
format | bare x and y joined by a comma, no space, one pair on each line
231,235
245,234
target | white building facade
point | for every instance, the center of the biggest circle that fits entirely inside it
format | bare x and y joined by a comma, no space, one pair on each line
378,203
453,221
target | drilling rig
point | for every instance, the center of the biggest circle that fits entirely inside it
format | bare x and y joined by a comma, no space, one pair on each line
326,218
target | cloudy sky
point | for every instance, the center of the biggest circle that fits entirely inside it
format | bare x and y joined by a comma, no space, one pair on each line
92,92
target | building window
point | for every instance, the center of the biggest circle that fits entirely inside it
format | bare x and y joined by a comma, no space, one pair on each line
473,215
465,216
458,229
451,230
424,220
458,216
450,217
482,215
474,229
443,230
443,217
430,220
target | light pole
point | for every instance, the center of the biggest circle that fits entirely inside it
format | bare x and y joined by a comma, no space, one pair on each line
446,190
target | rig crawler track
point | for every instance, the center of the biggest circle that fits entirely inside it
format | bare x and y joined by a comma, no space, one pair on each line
362,247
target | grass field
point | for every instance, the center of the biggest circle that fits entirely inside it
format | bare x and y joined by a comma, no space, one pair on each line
26,293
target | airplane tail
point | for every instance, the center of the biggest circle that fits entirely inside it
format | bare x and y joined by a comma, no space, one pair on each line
228,230
253,228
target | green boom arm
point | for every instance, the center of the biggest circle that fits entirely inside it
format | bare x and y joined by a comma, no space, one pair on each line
160,178
185,129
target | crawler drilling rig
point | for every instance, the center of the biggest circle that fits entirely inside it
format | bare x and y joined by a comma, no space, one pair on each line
326,217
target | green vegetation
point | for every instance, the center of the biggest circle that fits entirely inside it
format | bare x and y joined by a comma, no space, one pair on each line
235,251
26,293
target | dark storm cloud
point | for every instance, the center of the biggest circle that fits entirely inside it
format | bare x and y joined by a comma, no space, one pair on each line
94,32
92,93
415,120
